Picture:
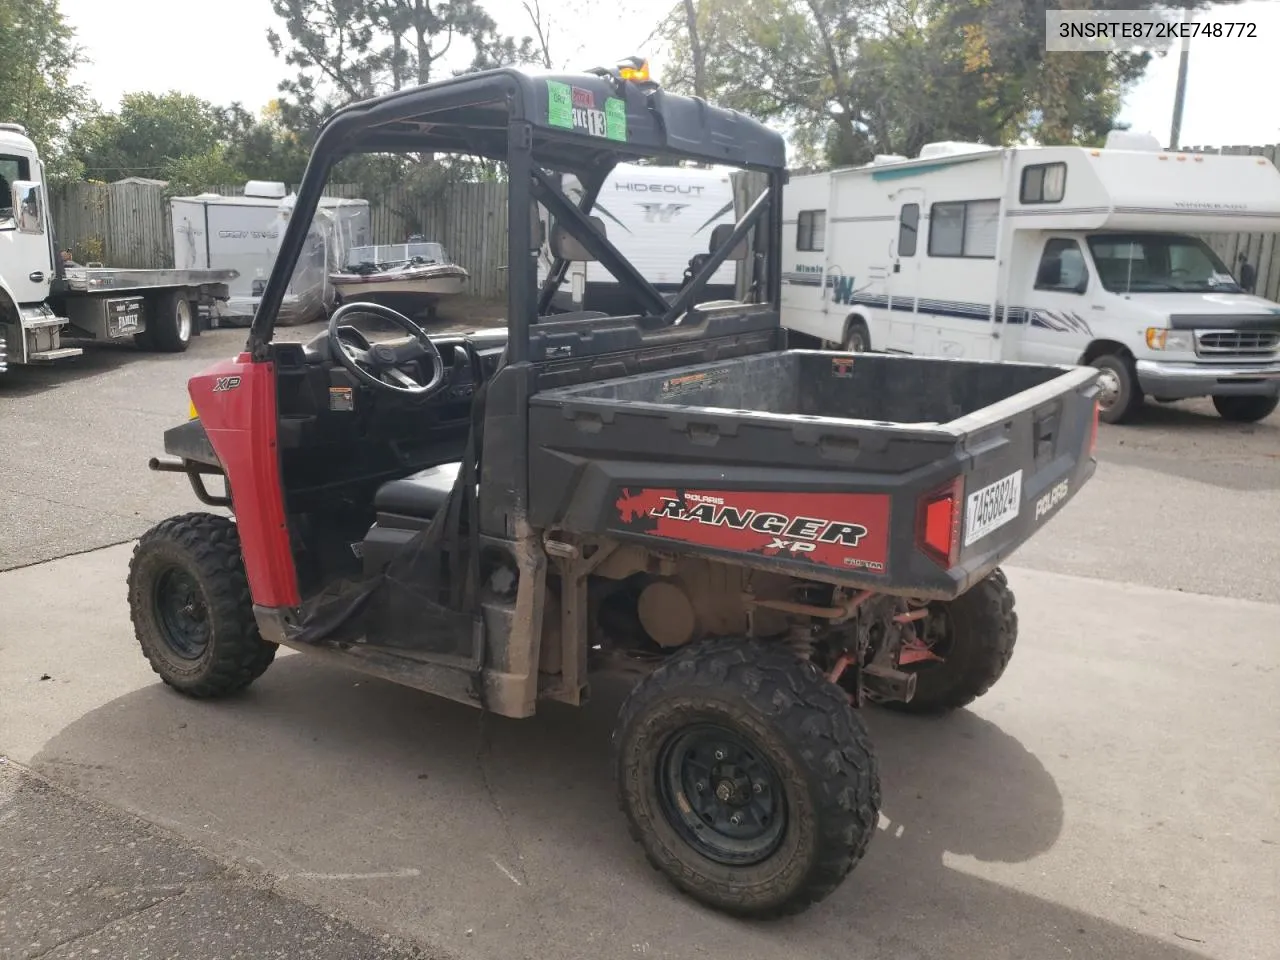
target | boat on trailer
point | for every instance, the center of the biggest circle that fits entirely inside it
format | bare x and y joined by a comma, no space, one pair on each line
410,277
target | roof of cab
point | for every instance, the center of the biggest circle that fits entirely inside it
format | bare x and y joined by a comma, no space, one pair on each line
576,119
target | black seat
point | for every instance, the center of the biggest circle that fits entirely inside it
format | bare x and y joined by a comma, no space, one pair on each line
422,494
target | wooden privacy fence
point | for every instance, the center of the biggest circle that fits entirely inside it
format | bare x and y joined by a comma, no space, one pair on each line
1260,249
128,224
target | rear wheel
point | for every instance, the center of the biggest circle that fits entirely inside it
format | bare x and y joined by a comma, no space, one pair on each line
973,635
748,778
857,339
171,323
1121,395
1245,409
191,609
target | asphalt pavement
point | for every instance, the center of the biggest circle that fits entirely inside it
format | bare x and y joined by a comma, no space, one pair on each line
1113,796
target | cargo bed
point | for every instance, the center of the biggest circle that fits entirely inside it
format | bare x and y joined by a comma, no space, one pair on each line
823,465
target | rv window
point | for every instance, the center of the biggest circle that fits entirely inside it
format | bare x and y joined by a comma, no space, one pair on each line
908,228
1044,183
1062,267
967,229
811,230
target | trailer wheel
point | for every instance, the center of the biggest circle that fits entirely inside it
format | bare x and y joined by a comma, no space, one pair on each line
1121,395
191,609
1245,409
974,634
747,778
172,322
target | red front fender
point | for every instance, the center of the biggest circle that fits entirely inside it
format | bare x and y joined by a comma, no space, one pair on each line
236,403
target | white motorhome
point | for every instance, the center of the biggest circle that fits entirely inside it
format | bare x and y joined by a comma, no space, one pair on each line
1064,255
242,233
659,218
43,299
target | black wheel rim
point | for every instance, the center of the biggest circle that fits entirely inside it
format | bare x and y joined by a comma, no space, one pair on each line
181,613
720,793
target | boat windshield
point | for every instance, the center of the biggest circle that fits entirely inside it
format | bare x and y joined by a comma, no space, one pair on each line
390,254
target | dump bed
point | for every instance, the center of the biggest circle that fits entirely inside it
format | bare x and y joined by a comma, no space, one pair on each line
899,474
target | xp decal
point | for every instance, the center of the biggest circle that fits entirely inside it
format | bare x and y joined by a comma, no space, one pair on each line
844,530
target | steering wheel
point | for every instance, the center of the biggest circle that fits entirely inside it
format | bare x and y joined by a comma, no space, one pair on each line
379,365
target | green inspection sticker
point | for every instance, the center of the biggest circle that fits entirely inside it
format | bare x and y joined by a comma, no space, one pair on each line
559,104
615,119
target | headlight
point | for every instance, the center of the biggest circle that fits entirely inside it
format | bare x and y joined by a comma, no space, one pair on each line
1159,338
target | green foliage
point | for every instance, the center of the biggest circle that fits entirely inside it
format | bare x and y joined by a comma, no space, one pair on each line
37,57
853,78
148,134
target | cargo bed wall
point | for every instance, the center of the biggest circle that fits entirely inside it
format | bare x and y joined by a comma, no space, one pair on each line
882,389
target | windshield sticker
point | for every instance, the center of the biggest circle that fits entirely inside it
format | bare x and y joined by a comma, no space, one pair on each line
615,119
575,108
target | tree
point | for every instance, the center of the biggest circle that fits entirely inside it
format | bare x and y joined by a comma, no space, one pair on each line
37,58
852,78
347,50
147,135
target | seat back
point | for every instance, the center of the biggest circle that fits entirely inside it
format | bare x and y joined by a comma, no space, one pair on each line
566,245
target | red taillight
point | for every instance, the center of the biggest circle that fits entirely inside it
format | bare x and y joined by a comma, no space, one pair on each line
1093,436
938,524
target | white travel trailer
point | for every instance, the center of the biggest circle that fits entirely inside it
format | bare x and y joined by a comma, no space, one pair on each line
243,233
658,218
1045,254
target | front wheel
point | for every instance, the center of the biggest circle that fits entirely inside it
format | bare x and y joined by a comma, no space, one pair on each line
1120,395
1245,409
191,609
972,638
747,777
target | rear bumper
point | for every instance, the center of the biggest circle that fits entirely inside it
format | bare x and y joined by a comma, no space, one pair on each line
1175,381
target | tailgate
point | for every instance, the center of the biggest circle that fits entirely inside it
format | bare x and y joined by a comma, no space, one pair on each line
1025,458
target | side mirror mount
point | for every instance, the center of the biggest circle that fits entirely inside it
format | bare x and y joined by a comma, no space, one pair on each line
27,209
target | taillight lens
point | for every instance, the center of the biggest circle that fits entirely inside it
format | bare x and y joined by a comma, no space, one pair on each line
1093,435
938,524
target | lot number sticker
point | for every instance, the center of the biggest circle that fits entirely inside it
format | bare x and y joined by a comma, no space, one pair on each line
993,506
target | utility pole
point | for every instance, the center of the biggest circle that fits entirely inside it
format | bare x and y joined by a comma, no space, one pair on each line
1180,96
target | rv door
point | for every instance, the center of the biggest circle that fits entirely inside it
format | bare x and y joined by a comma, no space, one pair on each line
904,273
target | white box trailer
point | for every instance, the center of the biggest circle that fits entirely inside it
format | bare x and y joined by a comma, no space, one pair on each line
658,218
1067,255
242,233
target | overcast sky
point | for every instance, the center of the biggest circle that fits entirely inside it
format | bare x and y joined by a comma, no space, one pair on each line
143,45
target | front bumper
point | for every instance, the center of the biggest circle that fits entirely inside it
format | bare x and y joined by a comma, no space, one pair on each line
1178,381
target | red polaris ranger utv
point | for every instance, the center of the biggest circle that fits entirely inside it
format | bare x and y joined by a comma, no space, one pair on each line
776,536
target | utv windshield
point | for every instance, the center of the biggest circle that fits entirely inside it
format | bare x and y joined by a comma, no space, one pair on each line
1159,263
491,153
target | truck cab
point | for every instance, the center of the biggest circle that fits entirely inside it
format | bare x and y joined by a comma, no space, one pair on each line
29,330
1174,319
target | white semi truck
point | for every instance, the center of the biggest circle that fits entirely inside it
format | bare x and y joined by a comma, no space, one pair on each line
44,301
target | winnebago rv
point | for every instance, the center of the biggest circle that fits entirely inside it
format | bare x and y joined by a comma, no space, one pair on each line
1065,255
658,218
243,233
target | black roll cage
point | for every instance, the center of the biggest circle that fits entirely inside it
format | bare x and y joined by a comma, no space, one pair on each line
491,115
